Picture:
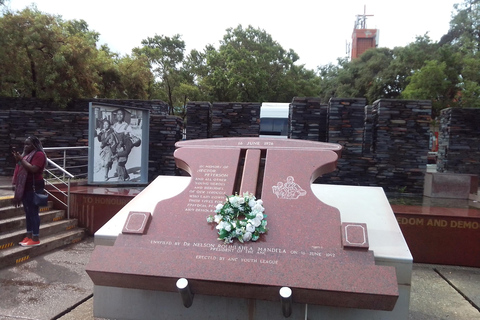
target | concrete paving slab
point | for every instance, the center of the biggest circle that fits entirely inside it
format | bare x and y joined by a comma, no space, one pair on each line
465,280
434,298
48,285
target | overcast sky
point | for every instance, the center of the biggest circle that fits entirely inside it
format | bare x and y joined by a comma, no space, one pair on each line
316,30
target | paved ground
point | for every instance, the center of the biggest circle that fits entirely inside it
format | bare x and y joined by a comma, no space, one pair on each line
47,286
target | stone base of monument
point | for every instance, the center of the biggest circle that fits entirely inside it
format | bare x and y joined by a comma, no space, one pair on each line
360,205
93,206
441,235
121,303
450,185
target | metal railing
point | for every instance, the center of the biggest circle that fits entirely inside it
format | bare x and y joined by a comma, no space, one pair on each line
59,177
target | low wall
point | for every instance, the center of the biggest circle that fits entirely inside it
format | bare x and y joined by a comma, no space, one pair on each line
385,144
57,127
459,141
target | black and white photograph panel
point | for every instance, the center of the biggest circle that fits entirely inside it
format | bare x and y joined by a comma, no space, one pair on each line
117,137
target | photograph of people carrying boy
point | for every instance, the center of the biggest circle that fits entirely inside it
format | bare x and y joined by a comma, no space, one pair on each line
117,138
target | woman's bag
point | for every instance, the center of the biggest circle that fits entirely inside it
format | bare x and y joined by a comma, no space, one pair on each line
39,199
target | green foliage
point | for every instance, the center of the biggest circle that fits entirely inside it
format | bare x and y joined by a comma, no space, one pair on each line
43,56
165,56
429,83
251,67
447,72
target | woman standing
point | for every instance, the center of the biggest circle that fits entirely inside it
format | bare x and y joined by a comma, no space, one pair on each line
27,179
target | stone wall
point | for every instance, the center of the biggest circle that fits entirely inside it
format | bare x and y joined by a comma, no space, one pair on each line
400,145
219,120
308,119
57,127
346,123
198,120
459,141
54,128
165,131
385,144
234,120
155,106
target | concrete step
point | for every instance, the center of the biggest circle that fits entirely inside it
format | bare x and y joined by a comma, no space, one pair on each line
18,222
11,239
19,254
9,211
5,201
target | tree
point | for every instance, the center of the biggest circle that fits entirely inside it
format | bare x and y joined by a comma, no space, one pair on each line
136,77
43,56
464,32
369,76
250,66
165,55
430,83
470,82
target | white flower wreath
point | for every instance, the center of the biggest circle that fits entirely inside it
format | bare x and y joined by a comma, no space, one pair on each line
240,217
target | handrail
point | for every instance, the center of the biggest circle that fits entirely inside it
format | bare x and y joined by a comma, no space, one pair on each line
66,176
71,176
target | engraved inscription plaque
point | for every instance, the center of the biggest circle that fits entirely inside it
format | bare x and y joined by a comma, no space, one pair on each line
137,222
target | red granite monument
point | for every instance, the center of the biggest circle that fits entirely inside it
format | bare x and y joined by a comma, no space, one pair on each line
323,260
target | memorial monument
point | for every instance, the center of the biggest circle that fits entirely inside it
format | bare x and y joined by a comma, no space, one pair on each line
308,256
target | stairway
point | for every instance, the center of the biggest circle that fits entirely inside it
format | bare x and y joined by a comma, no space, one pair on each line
55,231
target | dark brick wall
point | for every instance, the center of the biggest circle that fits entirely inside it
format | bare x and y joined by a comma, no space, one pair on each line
198,120
459,141
165,131
401,140
155,106
385,144
57,127
54,128
308,119
234,120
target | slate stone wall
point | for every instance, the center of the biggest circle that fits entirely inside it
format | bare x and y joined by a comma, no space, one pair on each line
459,141
234,120
346,124
54,128
57,127
400,146
155,106
368,131
198,120
385,144
165,131
308,119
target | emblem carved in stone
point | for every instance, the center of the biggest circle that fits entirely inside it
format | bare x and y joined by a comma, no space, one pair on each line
288,190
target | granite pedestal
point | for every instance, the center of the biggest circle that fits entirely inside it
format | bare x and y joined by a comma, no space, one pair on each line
303,250
450,185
